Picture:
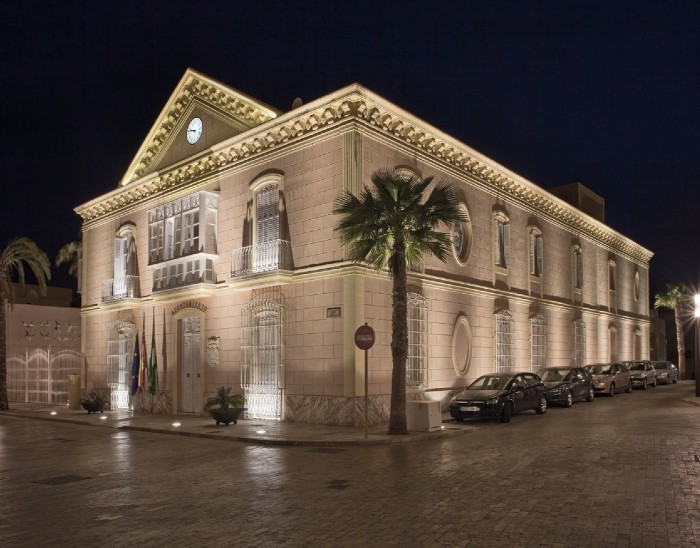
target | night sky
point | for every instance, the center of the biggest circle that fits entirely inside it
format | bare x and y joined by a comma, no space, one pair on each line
604,93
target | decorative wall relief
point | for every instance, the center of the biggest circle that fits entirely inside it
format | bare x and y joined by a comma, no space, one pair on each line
213,351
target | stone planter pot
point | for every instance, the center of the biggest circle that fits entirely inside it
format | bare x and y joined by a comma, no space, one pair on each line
93,406
226,416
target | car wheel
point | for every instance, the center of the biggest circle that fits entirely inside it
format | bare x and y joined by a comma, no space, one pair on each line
507,413
569,399
611,393
629,388
541,408
591,395
644,385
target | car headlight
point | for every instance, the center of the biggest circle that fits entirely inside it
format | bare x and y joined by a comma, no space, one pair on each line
558,390
492,401
453,400
664,375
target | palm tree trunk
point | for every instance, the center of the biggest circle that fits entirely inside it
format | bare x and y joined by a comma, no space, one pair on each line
399,343
4,402
680,340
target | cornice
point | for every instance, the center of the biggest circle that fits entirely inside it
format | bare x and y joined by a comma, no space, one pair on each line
366,110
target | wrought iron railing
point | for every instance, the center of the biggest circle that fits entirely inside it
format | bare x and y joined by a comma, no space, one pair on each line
265,257
124,287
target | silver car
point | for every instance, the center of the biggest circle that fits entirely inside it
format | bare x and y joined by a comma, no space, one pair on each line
610,378
642,373
666,372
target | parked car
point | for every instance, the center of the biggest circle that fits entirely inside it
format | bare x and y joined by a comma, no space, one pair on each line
499,396
642,373
666,372
565,385
610,378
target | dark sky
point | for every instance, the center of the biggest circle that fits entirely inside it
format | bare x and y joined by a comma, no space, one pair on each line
605,93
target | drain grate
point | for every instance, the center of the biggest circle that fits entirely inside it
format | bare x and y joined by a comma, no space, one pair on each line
60,480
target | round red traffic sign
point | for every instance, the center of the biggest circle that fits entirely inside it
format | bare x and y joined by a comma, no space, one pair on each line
364,337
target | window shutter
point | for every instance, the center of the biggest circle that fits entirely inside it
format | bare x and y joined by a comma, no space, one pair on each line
540,255
496,243
533,255
506,245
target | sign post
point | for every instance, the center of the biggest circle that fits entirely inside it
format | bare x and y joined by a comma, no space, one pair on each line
364,340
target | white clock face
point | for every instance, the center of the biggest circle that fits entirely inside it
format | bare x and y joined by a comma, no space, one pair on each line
194,130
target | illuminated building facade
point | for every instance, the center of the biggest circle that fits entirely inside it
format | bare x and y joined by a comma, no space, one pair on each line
220,235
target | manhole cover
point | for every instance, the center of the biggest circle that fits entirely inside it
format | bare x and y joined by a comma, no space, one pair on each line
60,480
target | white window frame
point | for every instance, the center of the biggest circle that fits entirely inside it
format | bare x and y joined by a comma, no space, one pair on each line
538,342
417,358
503,339
536,253
579,329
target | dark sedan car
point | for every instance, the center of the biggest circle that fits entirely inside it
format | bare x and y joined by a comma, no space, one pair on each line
567,384
499,396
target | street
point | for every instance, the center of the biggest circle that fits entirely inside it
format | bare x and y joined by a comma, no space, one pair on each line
620,471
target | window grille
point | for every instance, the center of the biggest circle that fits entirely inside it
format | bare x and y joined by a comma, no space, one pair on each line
262,354
536,254
417,359
579,343
504,342
120,354
266,222
538,342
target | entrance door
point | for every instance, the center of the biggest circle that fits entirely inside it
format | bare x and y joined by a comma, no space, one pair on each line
191,364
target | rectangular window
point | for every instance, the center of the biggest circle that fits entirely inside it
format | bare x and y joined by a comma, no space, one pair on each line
503,342
577,269
579,343
156,242
538,343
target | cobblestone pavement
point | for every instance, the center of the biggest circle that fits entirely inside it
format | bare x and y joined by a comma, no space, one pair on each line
620,471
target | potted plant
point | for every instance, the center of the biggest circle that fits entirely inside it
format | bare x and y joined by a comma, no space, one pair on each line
225,407
94,403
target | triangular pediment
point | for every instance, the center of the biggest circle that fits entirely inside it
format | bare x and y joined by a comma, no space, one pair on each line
222,111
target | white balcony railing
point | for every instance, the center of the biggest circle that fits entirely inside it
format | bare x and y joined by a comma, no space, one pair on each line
265,257
124,287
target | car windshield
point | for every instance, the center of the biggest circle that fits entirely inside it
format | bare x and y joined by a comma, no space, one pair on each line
660,365
553,375
600,369
490,382
635,367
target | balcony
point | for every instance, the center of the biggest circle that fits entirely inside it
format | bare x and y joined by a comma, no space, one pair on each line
265,257
117,289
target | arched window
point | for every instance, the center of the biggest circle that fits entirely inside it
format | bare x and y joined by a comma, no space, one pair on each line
538,342
504,342
501,239
579,327
612,343
120,352
576,267
124,284
417,360
536,252
636,286
612,285
262,358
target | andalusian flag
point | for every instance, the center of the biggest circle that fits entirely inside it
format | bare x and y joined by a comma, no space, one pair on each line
153,365
135,366
143,366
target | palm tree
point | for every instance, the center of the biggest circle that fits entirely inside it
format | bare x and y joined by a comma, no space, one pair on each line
673,298
70,253
394,223
18,253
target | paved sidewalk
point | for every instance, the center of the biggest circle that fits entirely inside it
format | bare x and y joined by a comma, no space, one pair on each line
256,431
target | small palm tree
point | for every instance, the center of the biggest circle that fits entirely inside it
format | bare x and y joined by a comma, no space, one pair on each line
673,298
70,254
394,223
13,258
224,399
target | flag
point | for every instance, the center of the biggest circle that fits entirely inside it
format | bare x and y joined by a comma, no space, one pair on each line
153,365
135,366
143,367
